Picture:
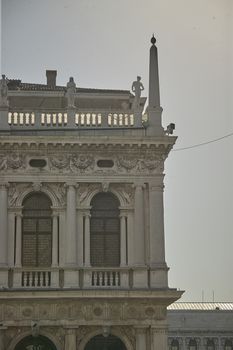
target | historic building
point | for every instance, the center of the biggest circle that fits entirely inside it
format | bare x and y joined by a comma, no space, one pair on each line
200,326
82,262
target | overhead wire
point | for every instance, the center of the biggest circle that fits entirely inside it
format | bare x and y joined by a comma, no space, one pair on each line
203,143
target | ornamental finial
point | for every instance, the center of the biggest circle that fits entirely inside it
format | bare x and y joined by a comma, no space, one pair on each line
153,40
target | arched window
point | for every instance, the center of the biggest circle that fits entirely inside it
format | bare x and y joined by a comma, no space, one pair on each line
228,344
192,344
210,344
35,343
175,344
37,231
105,230
99,342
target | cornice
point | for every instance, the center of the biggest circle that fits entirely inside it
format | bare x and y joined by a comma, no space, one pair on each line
88,141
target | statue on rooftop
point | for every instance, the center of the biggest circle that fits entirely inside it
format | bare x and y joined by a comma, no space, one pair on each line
137,88
70,92
3,91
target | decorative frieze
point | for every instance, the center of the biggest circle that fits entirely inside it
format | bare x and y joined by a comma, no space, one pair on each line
85,163
88,311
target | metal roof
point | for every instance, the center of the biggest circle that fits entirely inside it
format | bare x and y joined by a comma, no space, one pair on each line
201,306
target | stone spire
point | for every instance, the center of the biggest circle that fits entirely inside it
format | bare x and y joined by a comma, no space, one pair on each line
154,98
154,109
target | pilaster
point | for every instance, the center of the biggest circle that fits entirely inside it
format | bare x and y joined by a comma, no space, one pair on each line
70,339
158,338
157,262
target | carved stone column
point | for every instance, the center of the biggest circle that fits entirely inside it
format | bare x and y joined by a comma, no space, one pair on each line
11,236
157,255
2,347
71,274
3,221
18,241
139,244
87,243
141,338
140,277
70,339
123,238
158,338
71,251
157,249
55,241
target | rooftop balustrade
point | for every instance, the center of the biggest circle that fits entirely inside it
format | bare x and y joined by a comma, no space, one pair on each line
29,120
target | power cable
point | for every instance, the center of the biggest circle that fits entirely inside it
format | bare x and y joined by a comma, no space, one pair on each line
203,143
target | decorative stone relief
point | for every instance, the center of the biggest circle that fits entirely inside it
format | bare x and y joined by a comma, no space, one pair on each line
12,161
59,191
126,191
60,162
105,186
85,190
130,334
83,163
127,162
15,189
82,332
84,311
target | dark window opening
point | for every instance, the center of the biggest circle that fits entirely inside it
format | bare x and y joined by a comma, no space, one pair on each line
105,163
105,230
37,163
37,231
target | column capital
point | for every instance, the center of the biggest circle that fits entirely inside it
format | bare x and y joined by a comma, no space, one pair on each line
4,185
18,211
138,184
70,184
156,187
141,329
123,213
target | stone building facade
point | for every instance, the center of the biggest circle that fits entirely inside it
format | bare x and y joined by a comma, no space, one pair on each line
82,259
200,326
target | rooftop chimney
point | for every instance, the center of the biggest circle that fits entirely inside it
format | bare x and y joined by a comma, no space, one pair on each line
51,77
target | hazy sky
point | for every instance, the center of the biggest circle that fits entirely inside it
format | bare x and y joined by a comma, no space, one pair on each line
105,44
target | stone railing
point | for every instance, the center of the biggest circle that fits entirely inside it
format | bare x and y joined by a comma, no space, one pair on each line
88,278
105,279
36,279
79,120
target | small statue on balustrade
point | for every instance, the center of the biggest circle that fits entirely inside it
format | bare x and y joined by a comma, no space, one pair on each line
137,88
70,92
3,91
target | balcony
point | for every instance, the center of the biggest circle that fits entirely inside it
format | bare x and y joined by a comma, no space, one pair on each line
89,278
79,120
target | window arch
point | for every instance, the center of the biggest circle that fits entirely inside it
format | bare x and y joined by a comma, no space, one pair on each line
105,230
210,344
228,345
39,342
175,344
100,342
37,231
192,344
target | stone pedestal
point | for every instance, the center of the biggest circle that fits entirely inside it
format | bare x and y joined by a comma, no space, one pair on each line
71,278
140,278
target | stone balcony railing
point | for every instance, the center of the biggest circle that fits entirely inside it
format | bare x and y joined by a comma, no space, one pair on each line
89,278
73,119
